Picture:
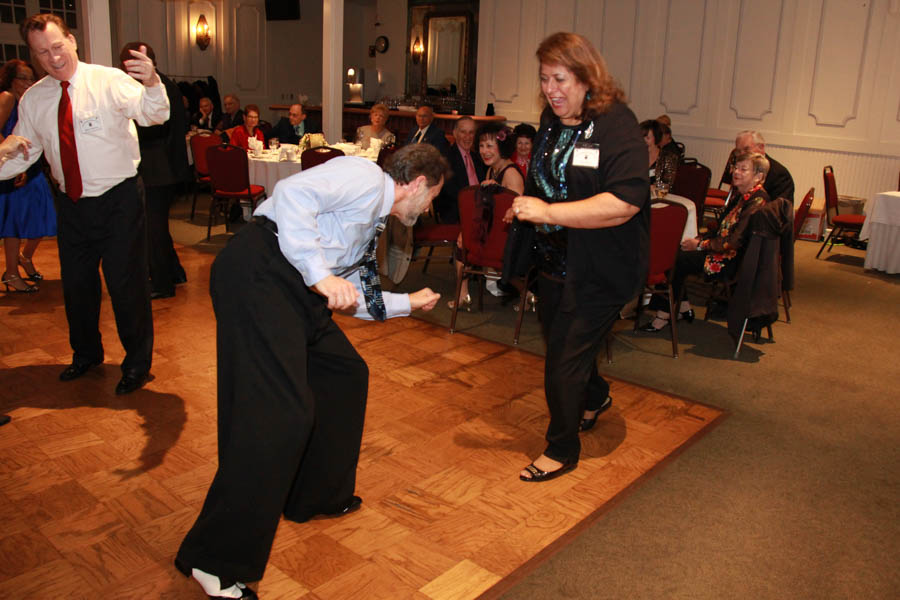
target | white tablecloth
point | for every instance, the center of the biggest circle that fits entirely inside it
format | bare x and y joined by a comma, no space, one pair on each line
690,227
882,229
268,170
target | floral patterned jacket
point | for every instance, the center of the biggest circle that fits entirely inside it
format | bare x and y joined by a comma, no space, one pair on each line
724,245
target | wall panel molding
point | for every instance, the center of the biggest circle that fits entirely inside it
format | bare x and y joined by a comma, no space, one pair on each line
683,56
755,64
249,50
843,42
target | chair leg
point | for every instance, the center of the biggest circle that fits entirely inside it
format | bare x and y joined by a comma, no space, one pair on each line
639,309
825,243
194,203
740,342
209,223
673,319
427,259
771,336
459,281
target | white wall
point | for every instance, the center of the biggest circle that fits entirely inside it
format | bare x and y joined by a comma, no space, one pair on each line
820,79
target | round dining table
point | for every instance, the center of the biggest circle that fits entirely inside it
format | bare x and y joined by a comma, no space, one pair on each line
268,169
882,229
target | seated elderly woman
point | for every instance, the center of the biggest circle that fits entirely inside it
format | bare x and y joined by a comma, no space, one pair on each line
378,116
652,132
524,134
242,133
714,255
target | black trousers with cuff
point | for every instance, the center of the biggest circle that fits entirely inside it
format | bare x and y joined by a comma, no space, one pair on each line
572,383
109,231
291,400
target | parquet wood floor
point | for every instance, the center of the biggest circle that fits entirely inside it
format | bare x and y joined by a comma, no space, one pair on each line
97,491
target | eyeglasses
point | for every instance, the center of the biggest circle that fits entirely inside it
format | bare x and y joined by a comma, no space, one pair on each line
742,169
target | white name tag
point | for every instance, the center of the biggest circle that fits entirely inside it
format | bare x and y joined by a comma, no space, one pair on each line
90,124
586,155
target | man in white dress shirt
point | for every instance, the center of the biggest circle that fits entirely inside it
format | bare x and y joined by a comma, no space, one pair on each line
291,387
81,118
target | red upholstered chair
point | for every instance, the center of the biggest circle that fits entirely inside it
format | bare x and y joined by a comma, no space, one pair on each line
692,182
199,144
839,223
313,157
478,255
229,174
715,196
799,217
666,227
433,236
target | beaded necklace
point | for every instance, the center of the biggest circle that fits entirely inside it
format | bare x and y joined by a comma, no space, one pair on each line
549,160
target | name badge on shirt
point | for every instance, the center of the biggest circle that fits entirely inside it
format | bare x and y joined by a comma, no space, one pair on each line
586,155
89,124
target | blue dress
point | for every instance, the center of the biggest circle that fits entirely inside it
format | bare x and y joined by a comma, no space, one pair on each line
26,212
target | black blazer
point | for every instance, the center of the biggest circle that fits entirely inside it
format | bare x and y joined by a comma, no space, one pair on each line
163,152
214,117
434,135
445,205
778,183
284,131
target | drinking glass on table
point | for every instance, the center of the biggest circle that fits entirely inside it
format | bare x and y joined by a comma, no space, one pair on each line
274,144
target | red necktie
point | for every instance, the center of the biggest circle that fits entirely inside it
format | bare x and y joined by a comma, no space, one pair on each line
68,152
470,168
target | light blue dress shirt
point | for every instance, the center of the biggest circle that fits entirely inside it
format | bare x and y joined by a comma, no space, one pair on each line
326,217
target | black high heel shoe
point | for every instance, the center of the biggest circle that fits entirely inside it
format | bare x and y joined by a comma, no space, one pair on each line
687,315
649,328
538,475
587,424
12,283
32,273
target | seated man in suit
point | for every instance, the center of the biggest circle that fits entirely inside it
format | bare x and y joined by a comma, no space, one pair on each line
290,129
427,131
778,183
233,116
467,167
667,143
207,117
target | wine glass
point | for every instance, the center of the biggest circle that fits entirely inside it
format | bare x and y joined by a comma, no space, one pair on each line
274,144
666,165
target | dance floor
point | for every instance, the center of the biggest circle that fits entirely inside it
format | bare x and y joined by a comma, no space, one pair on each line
97,490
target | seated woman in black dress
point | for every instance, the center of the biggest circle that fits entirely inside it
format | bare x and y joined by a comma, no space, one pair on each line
714,255
652,132
496,144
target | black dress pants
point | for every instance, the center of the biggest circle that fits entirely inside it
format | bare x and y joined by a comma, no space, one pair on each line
291,399
108,230
572,383
164,263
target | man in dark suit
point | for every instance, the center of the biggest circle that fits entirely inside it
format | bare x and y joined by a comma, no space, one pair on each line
233,115
427,131
778,183
467,167
290,129
208,115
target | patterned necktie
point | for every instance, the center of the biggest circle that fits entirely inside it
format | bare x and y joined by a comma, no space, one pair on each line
368,277
68,151
470,168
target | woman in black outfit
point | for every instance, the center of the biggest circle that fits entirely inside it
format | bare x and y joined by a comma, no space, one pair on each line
588,195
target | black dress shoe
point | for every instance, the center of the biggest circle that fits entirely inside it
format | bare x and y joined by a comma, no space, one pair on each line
158,295
587,424
345,508
649,328
538,475
131,380
76,370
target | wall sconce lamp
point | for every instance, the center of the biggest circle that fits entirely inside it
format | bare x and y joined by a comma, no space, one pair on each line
418,50
351,75
201,33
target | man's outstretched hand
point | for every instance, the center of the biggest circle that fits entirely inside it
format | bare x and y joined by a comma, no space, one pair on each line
426,299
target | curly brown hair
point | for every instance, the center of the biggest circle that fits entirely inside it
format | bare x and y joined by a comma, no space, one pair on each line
9,70
577,54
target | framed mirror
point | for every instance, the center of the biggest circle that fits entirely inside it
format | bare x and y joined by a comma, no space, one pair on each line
441,53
